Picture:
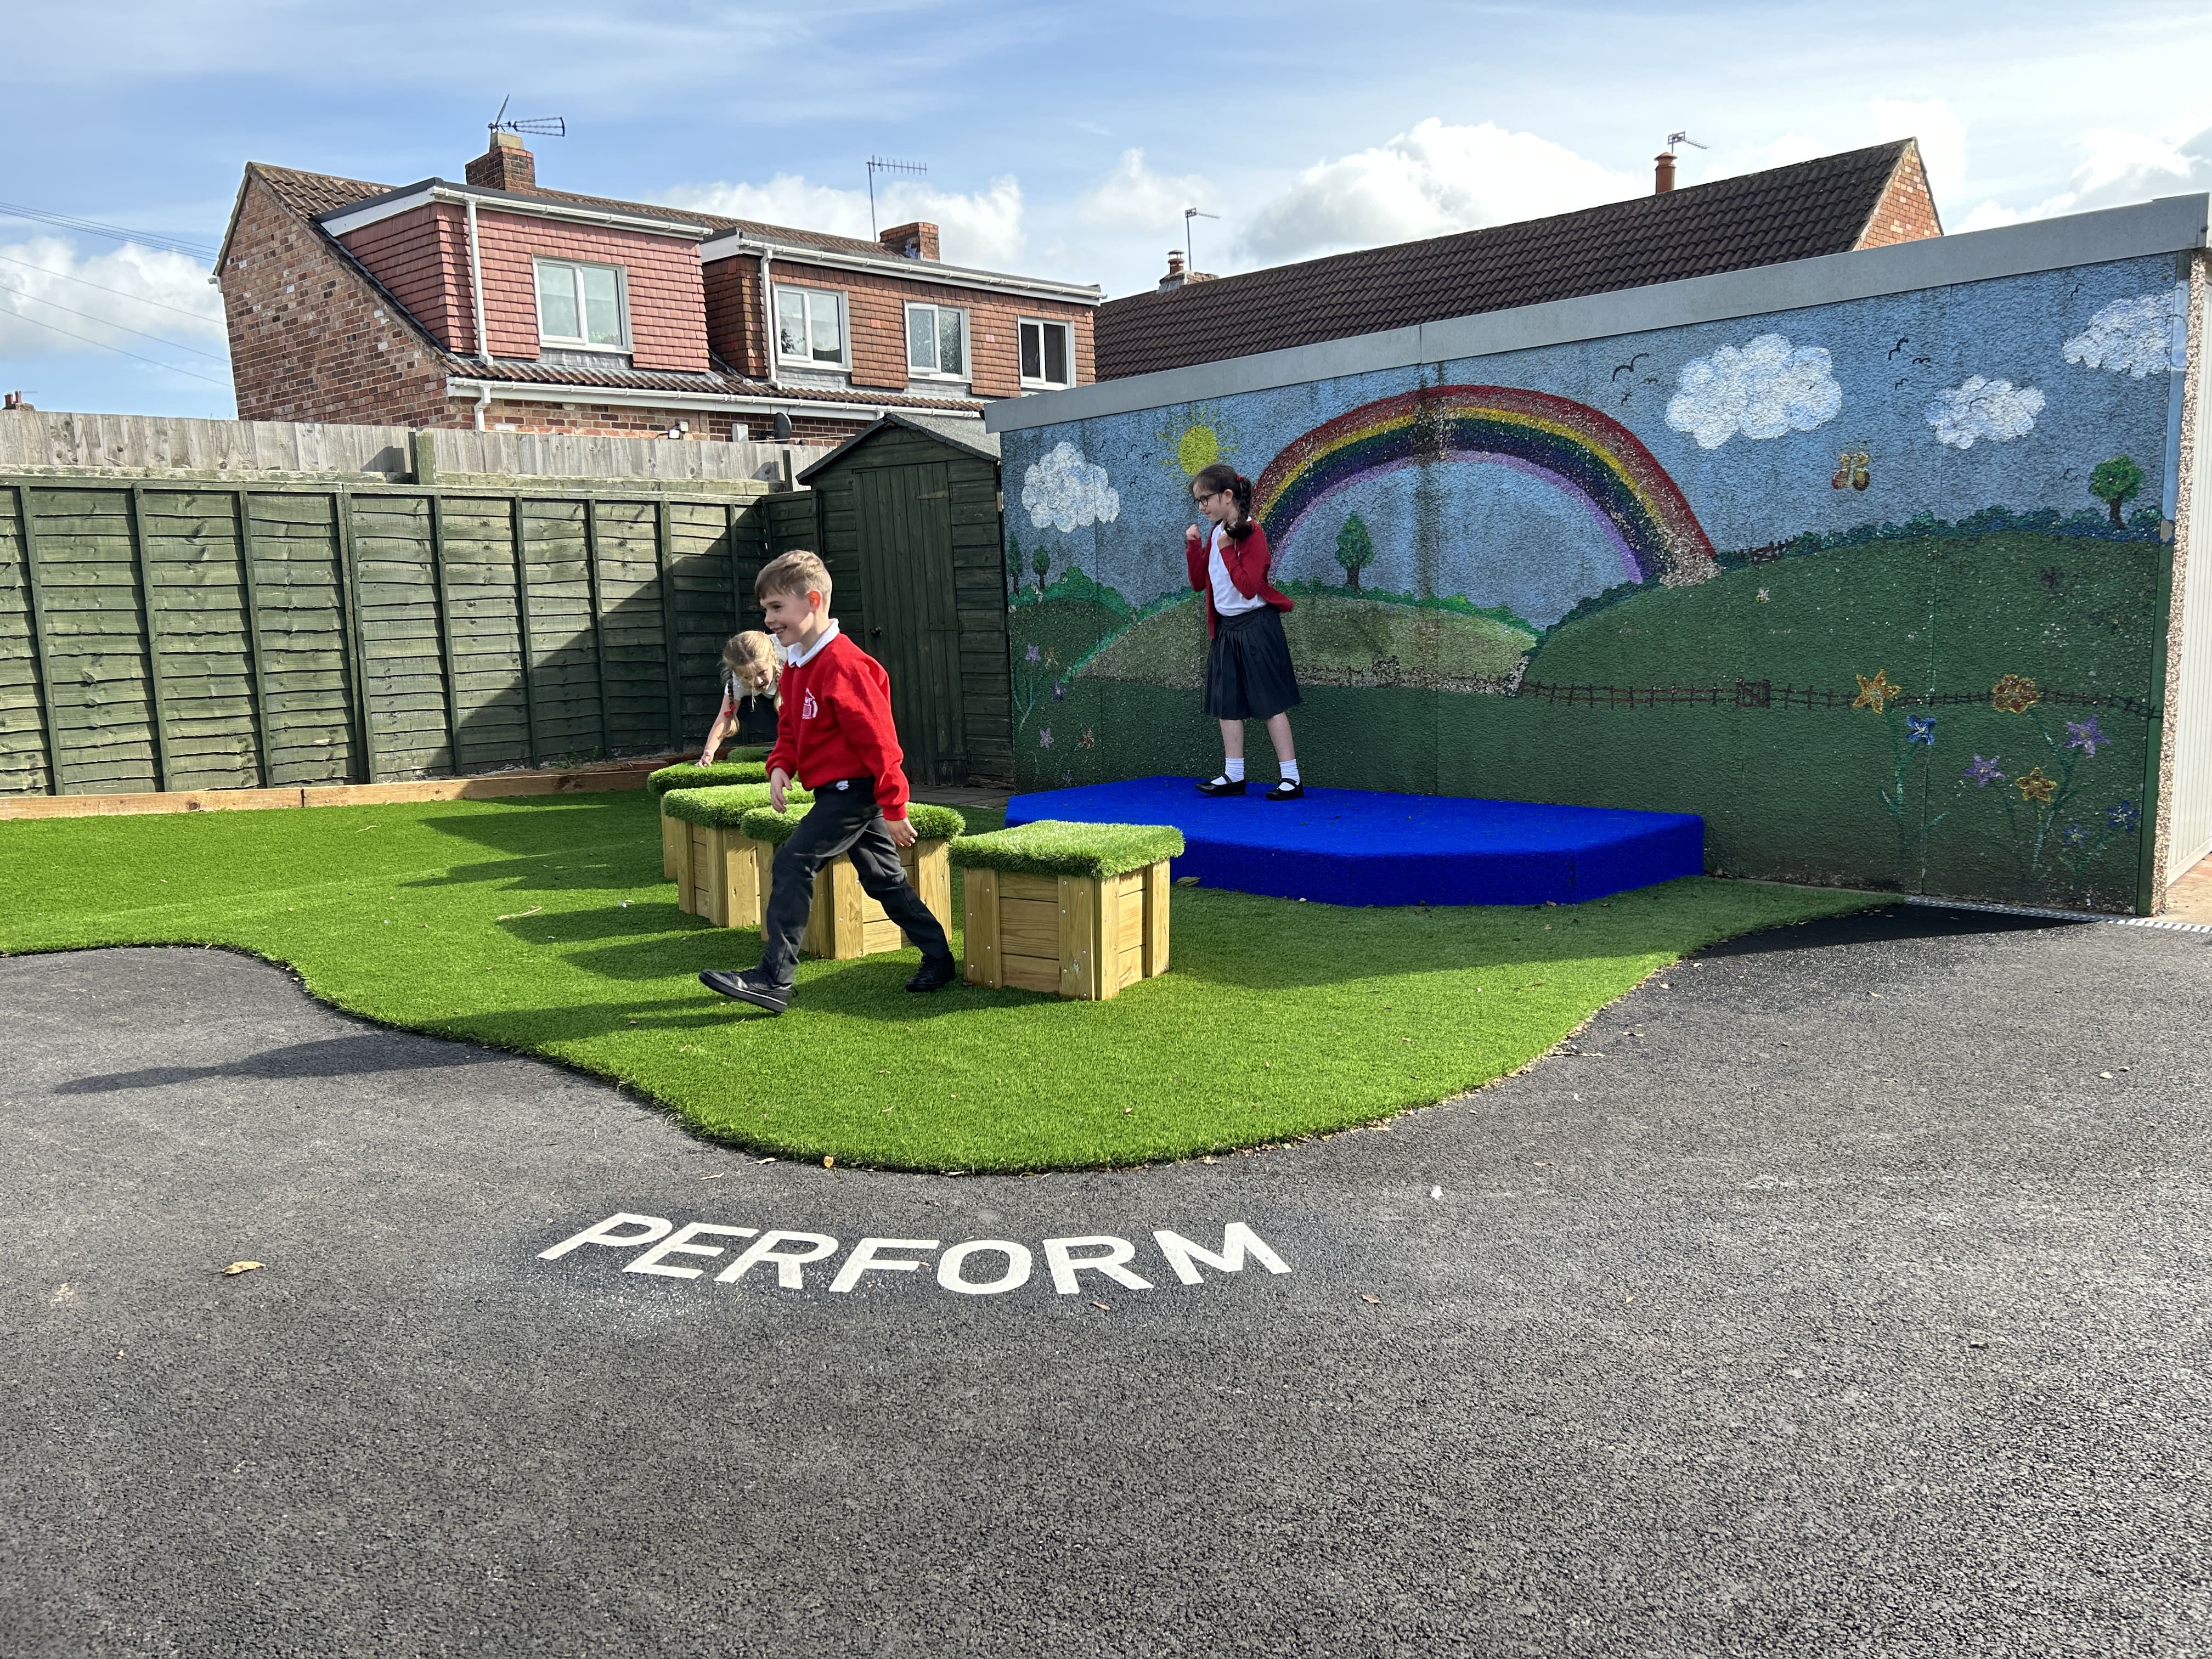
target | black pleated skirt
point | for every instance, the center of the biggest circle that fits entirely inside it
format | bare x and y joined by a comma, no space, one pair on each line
1247,668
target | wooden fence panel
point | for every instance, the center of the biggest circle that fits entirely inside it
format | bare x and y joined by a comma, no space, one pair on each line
701,548
23,769
564,675
102,695
301,615
633,632
197,610
490,692
402,645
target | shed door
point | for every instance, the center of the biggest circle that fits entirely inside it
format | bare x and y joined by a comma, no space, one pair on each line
914,627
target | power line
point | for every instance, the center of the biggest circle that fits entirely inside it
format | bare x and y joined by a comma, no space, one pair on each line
198,251
158,339
47,271
41,322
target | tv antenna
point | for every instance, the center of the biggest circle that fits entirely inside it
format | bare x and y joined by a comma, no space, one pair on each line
1189,260
538,126
1674,138
877,164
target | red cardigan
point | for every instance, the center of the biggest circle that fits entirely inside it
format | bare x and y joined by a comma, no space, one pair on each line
1247,563
835,722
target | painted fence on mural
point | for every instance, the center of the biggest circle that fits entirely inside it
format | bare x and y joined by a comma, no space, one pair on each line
1868,560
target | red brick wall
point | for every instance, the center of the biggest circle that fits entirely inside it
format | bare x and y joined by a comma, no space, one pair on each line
876,308
311,339
1906,212
667,304
422,257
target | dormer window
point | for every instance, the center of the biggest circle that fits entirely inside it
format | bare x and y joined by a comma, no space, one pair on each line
582,308
810,327
1047,354
937,343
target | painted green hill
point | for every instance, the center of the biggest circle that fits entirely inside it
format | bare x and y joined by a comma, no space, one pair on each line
1334,640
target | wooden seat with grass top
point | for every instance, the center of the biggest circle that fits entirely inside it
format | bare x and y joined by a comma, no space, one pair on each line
1076,909
737,766
845,922
720,873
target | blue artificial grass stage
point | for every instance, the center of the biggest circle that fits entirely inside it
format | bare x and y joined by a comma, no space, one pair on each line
1360,846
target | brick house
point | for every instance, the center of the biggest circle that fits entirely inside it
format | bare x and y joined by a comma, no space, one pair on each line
1831,204
499,304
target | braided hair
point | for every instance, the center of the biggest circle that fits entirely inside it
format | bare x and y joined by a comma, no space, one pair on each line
1220,477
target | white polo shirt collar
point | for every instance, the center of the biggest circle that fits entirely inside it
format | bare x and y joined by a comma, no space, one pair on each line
800,658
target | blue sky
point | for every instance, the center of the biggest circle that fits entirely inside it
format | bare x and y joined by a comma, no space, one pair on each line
1062,140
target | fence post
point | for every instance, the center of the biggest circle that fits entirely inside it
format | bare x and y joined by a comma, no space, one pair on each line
670,634
253,637
445,627
155,702
599,633
522,638
41,653
356,651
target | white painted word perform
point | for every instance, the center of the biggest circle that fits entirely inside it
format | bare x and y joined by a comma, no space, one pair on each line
979,1266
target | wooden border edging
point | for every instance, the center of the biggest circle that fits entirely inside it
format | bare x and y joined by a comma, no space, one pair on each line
491,786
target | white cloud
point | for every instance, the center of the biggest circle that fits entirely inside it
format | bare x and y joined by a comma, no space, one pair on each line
1942,138
1133,194
1976,409
1066,492
2117,167
1428,182
104,299
981,228
2141,336
1762,389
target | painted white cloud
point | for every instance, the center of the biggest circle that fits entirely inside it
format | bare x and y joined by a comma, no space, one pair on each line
1762,389
48,293
2139,337
1066,492
983,228
1978,409
1429,181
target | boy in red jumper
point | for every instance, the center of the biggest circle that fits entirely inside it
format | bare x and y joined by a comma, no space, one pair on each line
834,731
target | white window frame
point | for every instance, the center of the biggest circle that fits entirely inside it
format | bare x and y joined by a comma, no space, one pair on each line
583,319
1041,324
807,359
967,341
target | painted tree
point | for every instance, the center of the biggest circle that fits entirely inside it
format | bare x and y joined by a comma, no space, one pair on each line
1354,548
1040,561
1014,566
2113,482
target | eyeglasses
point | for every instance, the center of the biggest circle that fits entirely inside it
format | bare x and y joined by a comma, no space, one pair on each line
1206,494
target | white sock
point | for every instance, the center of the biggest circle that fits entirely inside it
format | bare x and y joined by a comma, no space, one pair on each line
1233,769
1290,771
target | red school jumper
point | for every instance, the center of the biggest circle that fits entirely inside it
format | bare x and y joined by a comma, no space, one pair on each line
835,722
1247,564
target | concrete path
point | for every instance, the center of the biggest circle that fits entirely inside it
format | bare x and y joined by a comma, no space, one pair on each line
1843,1294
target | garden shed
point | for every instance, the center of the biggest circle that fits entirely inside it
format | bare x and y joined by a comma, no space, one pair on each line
907,516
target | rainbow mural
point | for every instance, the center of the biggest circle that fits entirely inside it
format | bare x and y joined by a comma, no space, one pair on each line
1587,452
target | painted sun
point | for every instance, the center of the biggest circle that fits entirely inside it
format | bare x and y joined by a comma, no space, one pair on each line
1196,442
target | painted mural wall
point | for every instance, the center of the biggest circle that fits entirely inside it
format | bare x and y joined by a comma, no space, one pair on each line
1877,587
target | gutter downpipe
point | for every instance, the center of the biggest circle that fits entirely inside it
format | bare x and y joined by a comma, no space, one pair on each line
767,319
475,293
483,402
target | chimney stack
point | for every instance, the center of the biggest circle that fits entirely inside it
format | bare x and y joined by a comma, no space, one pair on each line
916,241
1663,169
1174,276
506,166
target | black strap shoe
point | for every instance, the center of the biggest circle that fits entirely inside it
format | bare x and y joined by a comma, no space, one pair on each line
1224,785
937,973
747,987
1287,790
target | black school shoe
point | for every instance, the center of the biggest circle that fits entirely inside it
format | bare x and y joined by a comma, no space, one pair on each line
1286,790
937,973
1222,786
745,988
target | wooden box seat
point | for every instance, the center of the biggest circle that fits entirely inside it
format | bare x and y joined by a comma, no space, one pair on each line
1079,910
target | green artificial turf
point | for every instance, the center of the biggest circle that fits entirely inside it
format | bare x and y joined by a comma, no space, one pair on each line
543,926
1050,847
738,766
725,807
930,823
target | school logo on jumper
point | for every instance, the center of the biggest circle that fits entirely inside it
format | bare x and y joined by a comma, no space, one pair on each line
807,710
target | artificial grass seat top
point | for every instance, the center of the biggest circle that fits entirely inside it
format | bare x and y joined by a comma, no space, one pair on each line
724,808
930,823
1051,846
741,766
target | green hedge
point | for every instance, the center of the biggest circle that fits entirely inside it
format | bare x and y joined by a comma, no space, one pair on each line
930,823
741,766
724,808
1051,848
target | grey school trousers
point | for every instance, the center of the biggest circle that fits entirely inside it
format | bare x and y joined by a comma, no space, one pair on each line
844,818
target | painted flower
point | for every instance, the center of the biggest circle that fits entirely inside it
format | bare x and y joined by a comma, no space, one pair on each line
2035,786
1876,692
1060,690
1044,737
2014,695
2124,816
2075,834
2085,735
1034,654
1052,659
1982,772
1086,741
1920,728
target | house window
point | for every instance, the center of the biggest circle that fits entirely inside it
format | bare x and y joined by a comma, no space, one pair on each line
1048,352
937,342
809,326
582,306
